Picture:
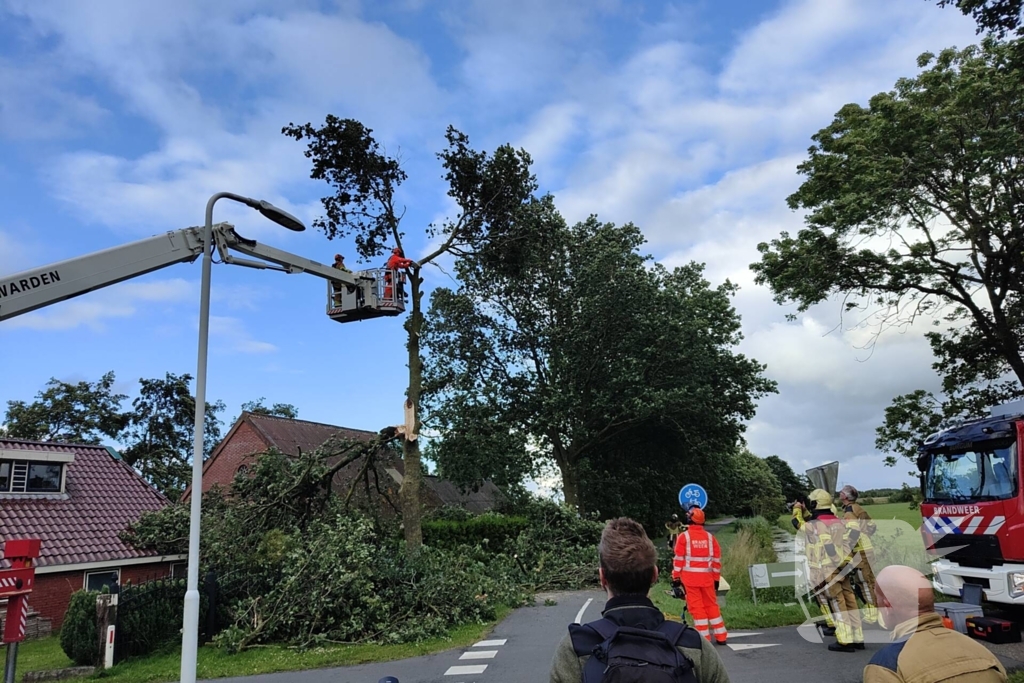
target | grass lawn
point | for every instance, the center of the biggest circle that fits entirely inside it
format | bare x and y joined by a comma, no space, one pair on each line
41,655
215,663
739,613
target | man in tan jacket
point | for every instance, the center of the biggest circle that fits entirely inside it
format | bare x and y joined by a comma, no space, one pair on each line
923,650
628,569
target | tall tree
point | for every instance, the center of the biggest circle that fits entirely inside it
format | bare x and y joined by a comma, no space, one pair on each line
751,487
794,486
487,190
160,430
579,348
914,208
257,407
997,17
83,412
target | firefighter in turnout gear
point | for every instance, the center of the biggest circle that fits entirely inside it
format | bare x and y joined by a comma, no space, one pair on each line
816,570
674,527
825,536
698,568
860,529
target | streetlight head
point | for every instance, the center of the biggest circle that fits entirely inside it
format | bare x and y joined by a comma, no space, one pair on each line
280,216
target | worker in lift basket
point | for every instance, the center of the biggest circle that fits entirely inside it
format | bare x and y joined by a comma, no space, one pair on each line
339,263
396,262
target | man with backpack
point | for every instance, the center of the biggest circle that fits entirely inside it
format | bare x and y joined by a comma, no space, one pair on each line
633,643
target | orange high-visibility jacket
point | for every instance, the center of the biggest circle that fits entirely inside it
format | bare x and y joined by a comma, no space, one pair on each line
698,559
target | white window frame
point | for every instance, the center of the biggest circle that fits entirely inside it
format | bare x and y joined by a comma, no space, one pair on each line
107,570
184,570
62,461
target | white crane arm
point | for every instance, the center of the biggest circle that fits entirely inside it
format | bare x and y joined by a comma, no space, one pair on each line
31,289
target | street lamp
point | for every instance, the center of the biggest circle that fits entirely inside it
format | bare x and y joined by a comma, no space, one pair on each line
190,626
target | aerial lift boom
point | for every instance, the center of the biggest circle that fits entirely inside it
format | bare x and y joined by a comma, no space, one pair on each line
350,296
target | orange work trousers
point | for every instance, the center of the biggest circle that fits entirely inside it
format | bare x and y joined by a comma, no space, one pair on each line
707,618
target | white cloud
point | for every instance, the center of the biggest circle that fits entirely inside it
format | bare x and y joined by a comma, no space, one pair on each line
699,152
29,112
92,310
703,161
219,127
232,334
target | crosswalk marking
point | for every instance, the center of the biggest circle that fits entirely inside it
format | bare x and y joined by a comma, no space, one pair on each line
491,643
479,654
465,670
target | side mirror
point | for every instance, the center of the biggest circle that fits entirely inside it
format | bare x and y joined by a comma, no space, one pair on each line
922,463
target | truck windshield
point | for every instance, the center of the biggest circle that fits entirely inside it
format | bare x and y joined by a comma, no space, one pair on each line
984,474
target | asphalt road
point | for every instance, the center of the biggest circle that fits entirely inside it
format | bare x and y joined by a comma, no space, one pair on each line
520,649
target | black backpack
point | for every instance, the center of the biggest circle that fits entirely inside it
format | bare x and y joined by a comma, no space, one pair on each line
621,654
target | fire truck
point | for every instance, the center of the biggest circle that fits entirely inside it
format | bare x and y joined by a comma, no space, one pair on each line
973,507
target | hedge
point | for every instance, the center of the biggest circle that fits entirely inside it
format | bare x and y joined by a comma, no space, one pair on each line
492,531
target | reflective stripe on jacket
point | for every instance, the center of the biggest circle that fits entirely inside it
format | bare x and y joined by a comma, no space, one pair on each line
698,558
824,537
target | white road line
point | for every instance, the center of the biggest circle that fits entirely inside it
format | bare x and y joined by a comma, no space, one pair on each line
740,648
470,670
479,654
733,634
579,615
491,643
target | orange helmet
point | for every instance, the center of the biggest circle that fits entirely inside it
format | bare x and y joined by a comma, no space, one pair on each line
696,516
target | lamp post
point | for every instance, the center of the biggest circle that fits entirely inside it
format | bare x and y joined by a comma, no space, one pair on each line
190,626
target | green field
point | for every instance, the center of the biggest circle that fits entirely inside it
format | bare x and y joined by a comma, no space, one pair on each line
889,511
895,511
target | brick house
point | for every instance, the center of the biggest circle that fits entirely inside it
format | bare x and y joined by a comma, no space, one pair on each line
76,498
253,434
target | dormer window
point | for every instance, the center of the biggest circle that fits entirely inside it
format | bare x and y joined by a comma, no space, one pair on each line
43,473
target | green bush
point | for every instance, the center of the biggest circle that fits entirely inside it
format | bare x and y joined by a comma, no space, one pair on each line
492,531
149,615
78,636
451,513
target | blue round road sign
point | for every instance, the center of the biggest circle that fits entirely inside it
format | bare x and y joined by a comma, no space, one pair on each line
693,494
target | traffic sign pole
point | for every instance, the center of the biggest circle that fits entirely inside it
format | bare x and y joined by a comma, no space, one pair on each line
12,661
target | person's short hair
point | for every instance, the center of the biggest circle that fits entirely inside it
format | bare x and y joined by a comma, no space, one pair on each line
628,557
850,492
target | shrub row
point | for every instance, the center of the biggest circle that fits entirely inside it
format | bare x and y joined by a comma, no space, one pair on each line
492,531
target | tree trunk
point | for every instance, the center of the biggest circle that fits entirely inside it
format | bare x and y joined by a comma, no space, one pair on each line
570,478
410,493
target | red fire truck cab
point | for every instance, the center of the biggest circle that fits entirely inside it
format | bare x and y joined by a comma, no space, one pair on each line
973,509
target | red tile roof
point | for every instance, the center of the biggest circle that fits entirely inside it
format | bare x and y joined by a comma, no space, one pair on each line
102,496
291,436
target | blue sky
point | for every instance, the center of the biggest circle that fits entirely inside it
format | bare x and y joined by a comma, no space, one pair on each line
118,119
